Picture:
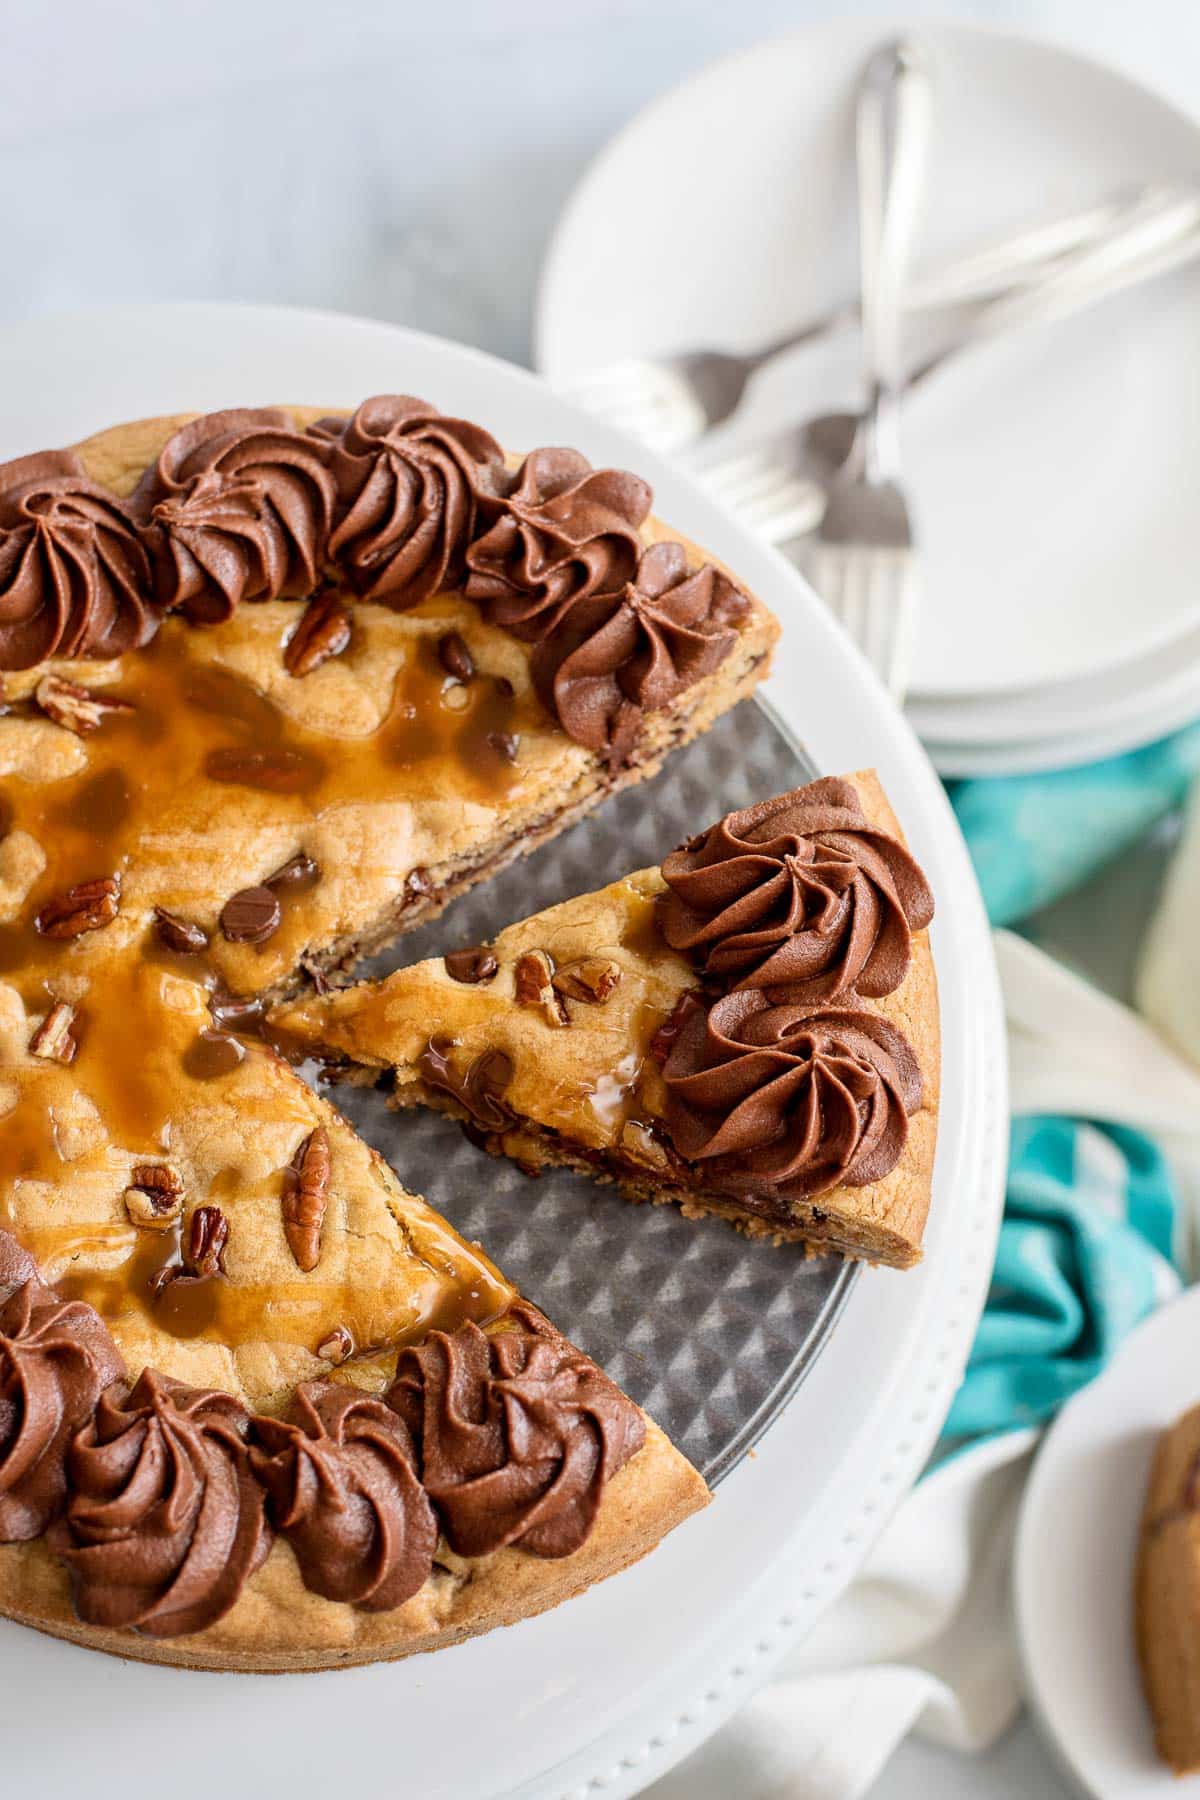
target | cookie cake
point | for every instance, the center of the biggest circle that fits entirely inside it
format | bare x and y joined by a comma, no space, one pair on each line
278,684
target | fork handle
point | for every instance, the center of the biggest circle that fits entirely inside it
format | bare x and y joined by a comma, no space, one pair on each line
892,140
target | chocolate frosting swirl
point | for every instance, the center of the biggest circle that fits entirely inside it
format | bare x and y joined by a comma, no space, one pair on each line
518,1433
341,1486
165,1522
407,479
790,1098
56,1357
601,674
563,533
798,890
74,574
239,507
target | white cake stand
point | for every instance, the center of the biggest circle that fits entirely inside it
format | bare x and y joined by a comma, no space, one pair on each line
607,1691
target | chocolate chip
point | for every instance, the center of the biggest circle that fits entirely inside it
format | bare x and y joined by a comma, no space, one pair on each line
212,1054
251,916
230,1009
455,657
505,744
180,935
418,884
504,687
300,871
471,965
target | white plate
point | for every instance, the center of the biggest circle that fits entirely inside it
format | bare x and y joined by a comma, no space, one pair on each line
564,1699
1053,475
1160,682
1035,756
1074,1562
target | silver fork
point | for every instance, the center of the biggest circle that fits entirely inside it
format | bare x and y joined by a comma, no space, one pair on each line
778,486
672,401
863,561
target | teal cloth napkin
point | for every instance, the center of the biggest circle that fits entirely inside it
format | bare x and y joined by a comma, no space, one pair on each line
1090,1217
1034,837
1084,1254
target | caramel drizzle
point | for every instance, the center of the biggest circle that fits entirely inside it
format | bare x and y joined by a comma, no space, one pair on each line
196,742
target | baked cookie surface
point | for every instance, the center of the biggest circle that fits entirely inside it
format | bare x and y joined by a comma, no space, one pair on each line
275,688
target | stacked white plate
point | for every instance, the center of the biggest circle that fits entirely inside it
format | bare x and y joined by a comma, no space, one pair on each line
1052,474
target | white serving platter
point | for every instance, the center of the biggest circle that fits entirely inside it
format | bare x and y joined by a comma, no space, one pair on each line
597,1694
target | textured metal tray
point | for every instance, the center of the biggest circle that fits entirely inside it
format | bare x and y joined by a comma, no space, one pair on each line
709,1331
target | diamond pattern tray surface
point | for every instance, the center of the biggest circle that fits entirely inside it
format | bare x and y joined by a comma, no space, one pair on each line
710,1332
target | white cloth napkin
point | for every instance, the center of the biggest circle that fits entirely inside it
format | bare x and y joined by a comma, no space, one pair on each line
923,1639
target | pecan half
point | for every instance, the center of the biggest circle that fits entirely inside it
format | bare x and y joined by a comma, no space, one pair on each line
534,978
305,1186
205,1241
154,1197
337,1346
272,771
181,935
208,1235
54,1038
80,709
592,979
323,632
85,907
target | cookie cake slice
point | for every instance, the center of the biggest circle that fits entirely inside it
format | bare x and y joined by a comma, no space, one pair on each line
750,1030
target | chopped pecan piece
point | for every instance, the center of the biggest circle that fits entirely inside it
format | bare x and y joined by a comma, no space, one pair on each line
316,974
669,1030
337,1346
455,657
323,632
181,935
305,1186
506,744
54,1038
154,1197
591,979
80,709
534,978
85,907
204,1246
